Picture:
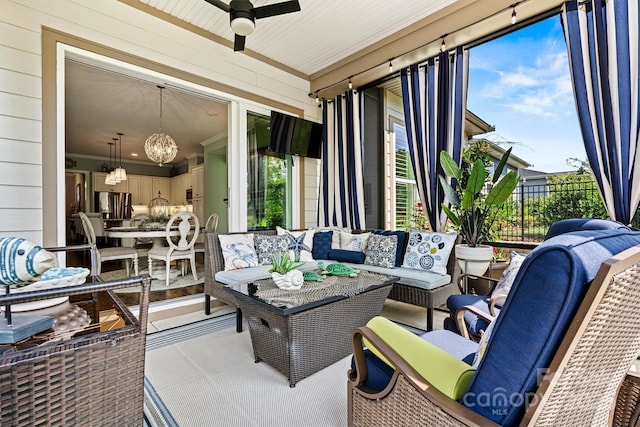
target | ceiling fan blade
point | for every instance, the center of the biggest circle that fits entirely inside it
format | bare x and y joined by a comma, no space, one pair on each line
238,44
276,9
220,5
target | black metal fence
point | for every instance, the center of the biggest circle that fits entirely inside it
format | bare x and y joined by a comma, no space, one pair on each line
533,208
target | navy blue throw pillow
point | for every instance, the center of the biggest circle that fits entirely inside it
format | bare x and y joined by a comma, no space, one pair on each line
343,255
402,240
321,245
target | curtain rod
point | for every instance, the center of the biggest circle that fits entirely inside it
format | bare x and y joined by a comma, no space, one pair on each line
442,38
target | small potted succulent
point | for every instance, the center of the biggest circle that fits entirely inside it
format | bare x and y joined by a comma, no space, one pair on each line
473,211
284,272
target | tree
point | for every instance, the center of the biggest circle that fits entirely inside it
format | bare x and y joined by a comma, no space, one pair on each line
573,195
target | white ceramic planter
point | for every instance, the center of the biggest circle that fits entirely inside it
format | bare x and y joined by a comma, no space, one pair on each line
474,260
292,280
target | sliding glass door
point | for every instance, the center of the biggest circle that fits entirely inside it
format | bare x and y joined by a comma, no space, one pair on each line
269,180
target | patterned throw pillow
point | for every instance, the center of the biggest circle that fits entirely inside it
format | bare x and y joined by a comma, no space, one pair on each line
267,246
354,242
238,251
402,236
429,251
381,250
300,243
509,274
321,244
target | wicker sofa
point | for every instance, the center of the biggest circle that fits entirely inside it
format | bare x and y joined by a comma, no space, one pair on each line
425,289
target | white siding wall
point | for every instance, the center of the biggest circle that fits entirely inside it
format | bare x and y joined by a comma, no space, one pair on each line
114,24
311,188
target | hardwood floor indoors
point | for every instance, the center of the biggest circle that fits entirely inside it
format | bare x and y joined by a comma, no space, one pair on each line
186,302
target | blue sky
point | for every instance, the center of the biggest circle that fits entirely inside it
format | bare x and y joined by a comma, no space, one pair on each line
520,83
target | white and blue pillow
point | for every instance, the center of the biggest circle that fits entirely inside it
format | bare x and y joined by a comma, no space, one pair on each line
238,251
429,251
509,274
300,243
353,242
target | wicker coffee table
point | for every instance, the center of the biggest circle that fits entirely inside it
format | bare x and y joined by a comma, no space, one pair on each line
301,332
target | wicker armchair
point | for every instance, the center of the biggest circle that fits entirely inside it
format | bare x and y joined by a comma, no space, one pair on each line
566,362
471,314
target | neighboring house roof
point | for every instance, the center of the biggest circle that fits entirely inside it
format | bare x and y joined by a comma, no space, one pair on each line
534,174
474,125
497,152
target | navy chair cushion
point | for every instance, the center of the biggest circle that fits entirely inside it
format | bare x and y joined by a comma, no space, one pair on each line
474,323
321,244
378,373
402,243
343,255
578,224
543,300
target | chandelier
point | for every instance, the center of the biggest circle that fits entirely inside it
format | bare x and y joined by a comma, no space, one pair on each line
160,147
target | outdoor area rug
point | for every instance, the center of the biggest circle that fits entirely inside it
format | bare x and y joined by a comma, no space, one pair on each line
175,282
204,374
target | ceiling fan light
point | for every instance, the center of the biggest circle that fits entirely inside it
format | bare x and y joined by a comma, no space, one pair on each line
242,26
160,148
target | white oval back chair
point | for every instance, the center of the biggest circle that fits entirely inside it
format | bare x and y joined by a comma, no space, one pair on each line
109,254
180,250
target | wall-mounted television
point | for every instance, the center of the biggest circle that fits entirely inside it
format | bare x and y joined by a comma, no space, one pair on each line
293,135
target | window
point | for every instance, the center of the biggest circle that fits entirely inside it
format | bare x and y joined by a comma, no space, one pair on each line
406,190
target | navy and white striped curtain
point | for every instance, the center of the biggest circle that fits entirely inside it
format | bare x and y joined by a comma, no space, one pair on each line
602,42
434,98
341,201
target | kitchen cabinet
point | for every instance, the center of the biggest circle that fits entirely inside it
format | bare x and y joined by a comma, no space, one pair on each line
179,186
198,209
99,185
134,189
162,185
146,190
142,188
198,182
176,186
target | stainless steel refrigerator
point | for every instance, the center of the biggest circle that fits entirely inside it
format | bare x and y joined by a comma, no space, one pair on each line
113,205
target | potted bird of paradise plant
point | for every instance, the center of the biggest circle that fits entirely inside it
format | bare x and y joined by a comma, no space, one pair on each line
473,210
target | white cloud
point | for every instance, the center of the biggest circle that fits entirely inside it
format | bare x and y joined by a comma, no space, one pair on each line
521,84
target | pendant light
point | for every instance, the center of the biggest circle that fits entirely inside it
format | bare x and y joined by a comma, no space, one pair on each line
120,172
110,178
160,147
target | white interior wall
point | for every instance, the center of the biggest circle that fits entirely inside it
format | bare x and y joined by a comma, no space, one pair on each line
108,23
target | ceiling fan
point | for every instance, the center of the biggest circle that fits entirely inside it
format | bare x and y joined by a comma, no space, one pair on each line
243,15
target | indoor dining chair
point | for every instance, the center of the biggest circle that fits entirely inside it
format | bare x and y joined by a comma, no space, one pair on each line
111,253
211,226
141,243
180,250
